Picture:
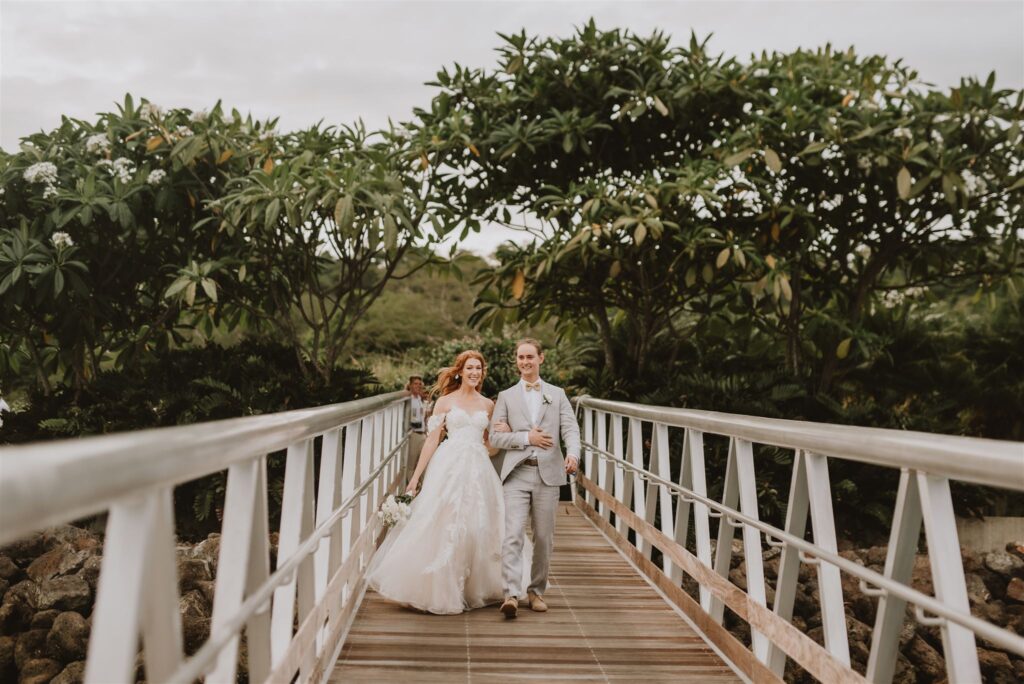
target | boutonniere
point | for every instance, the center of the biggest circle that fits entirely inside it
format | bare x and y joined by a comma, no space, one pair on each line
546,399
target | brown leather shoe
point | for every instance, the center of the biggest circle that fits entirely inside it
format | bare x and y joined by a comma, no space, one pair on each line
510,607
537,603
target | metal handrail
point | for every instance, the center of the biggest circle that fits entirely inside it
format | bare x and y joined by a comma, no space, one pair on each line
996,635
34,491
200,663
968,459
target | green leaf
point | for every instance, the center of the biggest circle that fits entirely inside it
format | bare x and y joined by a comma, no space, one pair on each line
660,106
210,288
843,350
273,211
640,234
723,257
567,143
738,157
903,183
771,159
1016,186
344,214
241,273
58,283
190,293
814,147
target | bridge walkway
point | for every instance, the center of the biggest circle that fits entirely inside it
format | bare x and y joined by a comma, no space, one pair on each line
605,623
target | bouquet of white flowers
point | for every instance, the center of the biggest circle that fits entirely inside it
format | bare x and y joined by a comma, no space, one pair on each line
395,510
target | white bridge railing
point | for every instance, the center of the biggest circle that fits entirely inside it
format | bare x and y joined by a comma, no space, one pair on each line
628,476
326,536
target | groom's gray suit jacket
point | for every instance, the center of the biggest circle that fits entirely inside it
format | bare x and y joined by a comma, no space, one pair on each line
556,418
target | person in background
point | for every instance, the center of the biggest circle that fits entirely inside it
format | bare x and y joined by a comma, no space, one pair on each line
420,407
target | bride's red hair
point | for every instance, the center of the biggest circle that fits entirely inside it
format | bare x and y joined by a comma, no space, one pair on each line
450,379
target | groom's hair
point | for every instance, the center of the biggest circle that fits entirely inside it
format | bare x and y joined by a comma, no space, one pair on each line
529,340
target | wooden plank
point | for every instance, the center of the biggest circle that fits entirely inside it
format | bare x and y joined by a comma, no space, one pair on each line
605,623
730,646
801,648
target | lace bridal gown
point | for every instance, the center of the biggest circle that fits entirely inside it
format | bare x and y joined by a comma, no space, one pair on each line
446,558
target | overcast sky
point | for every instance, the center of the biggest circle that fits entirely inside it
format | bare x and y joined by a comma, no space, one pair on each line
339,61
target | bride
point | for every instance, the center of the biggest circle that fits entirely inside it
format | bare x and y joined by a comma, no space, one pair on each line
446,558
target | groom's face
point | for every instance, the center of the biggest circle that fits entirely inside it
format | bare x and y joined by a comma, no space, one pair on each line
528,360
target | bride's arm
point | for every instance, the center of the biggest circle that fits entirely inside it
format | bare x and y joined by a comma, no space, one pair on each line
429,447
492,451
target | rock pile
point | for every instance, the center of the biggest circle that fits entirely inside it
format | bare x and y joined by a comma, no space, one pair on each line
995,587
47,589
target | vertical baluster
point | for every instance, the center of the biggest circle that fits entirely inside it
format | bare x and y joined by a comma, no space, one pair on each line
753,560
635,485
328,553
658,493
606,473
243,547
681,524
622,492
899,564
958,643
789,560
296,524
723,547
701,519
366,510
138,588
830,586
349,482
588,454
388,415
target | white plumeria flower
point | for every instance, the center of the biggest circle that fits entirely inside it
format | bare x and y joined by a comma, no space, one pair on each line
98,143
882,161
864,163
121,167
150,111
759,73
41,172
156,176
198,115
49,192
901,132
184,132
61,240
268,134
937,138
973,184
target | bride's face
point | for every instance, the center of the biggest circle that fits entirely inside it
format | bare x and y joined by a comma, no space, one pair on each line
473,373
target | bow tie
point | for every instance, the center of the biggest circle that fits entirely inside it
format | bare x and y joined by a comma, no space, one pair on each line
532,386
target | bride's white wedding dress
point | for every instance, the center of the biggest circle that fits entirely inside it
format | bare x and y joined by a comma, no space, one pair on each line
446,558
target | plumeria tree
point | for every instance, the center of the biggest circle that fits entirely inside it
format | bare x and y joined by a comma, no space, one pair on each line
96,217
324,230
674,191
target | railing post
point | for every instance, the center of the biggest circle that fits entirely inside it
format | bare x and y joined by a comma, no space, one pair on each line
634,484
243,565
622,492
659,499
296,525
606,474
138,588
588,454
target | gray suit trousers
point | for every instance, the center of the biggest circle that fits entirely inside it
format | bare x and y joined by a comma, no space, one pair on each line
525,492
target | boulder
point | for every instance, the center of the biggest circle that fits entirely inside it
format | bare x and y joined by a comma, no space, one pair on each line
977,592
65,593
8,669
30,645
60,560
74,673
44,619
19,605
925,659
1005,564
876,555
996,666
195,620
39,671
1015,590
1016,548
68,639
8,570
191,571
76,537
207,589
24,550
90,571
208,550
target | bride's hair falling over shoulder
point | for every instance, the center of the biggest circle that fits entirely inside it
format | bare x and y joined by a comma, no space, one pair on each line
450,379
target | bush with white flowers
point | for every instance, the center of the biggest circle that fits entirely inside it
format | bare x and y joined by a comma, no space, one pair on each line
97,144
156,176
61,240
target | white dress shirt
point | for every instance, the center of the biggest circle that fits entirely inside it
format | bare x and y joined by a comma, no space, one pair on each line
416,412
533,401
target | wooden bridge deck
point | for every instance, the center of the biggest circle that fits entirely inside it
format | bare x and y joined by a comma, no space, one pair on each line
605,623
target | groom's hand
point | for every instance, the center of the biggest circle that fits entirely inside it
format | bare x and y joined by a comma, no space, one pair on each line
501,427
571,465
540,438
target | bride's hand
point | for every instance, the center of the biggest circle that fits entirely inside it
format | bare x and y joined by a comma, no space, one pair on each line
414,484
501,427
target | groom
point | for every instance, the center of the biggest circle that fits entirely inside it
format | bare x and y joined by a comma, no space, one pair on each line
526,422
